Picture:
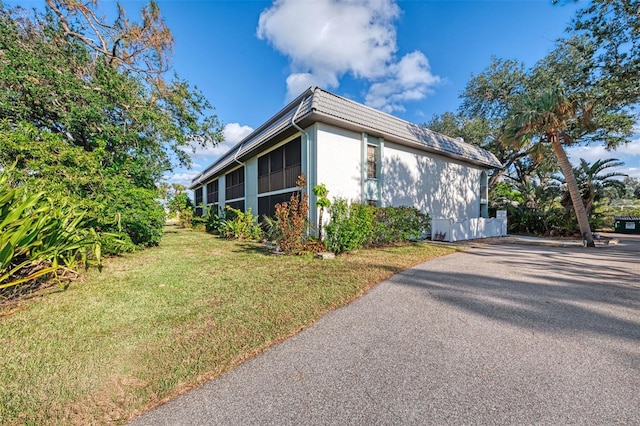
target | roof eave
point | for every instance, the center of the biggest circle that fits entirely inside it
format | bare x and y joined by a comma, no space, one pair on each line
204,175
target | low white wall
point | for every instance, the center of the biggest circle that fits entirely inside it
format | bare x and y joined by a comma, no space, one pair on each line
467,229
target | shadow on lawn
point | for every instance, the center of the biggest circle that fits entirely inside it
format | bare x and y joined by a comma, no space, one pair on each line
253,247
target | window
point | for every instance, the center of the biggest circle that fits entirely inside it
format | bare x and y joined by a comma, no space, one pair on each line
372,162
198,201
234,184
484,194
212,192
280,168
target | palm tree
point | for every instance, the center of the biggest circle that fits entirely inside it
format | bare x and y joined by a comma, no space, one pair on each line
593,184
546,117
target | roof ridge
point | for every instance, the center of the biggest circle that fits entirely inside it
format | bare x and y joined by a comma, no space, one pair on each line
319,102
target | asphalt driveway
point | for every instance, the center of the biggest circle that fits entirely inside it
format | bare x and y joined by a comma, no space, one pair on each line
501,334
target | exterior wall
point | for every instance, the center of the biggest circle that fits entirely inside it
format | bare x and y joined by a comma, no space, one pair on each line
439,186
338,161
251,185
222,183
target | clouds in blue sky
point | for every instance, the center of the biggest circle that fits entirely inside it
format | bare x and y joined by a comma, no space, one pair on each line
324,40
628,153
203,156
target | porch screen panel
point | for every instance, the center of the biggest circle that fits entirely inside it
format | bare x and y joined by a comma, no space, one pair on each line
212,192
234,184
198,201
239,205
263,174
293,162
267,203
276,173
279,169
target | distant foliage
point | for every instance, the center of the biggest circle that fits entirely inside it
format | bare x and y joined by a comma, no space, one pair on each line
179,204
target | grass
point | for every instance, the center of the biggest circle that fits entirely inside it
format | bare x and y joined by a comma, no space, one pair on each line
156,323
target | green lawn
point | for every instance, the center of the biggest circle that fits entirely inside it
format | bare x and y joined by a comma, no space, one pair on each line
155,323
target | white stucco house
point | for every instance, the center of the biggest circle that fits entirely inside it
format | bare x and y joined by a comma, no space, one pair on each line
359,153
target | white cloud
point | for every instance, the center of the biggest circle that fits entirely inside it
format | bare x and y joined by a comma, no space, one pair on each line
233,133
628,153
203,157
633,172
592,153
409,80
325,40
183,178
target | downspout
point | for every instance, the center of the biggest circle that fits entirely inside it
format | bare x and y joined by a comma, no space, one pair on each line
306,137
235,156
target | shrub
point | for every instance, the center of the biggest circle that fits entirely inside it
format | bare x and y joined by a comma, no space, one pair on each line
241,225
213,221
41,237
322,201
292,221
141,216
351,226
357,225
116,197
270,228
400,224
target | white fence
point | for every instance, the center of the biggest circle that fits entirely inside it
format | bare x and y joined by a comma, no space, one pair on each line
467,229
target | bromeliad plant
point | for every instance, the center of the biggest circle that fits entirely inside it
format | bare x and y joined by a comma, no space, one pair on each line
39,238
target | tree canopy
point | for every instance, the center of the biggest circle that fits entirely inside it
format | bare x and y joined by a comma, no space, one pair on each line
585,91
88,110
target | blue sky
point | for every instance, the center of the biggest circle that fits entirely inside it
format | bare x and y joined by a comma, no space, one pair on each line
410,58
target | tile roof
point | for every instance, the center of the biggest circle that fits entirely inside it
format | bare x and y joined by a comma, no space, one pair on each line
316,104
392,127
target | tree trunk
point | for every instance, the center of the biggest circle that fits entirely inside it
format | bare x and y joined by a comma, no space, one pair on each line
320,224
574,191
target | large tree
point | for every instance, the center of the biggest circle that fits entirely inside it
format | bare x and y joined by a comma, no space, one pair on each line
613,29
88,110
485,104
583,92
545,117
